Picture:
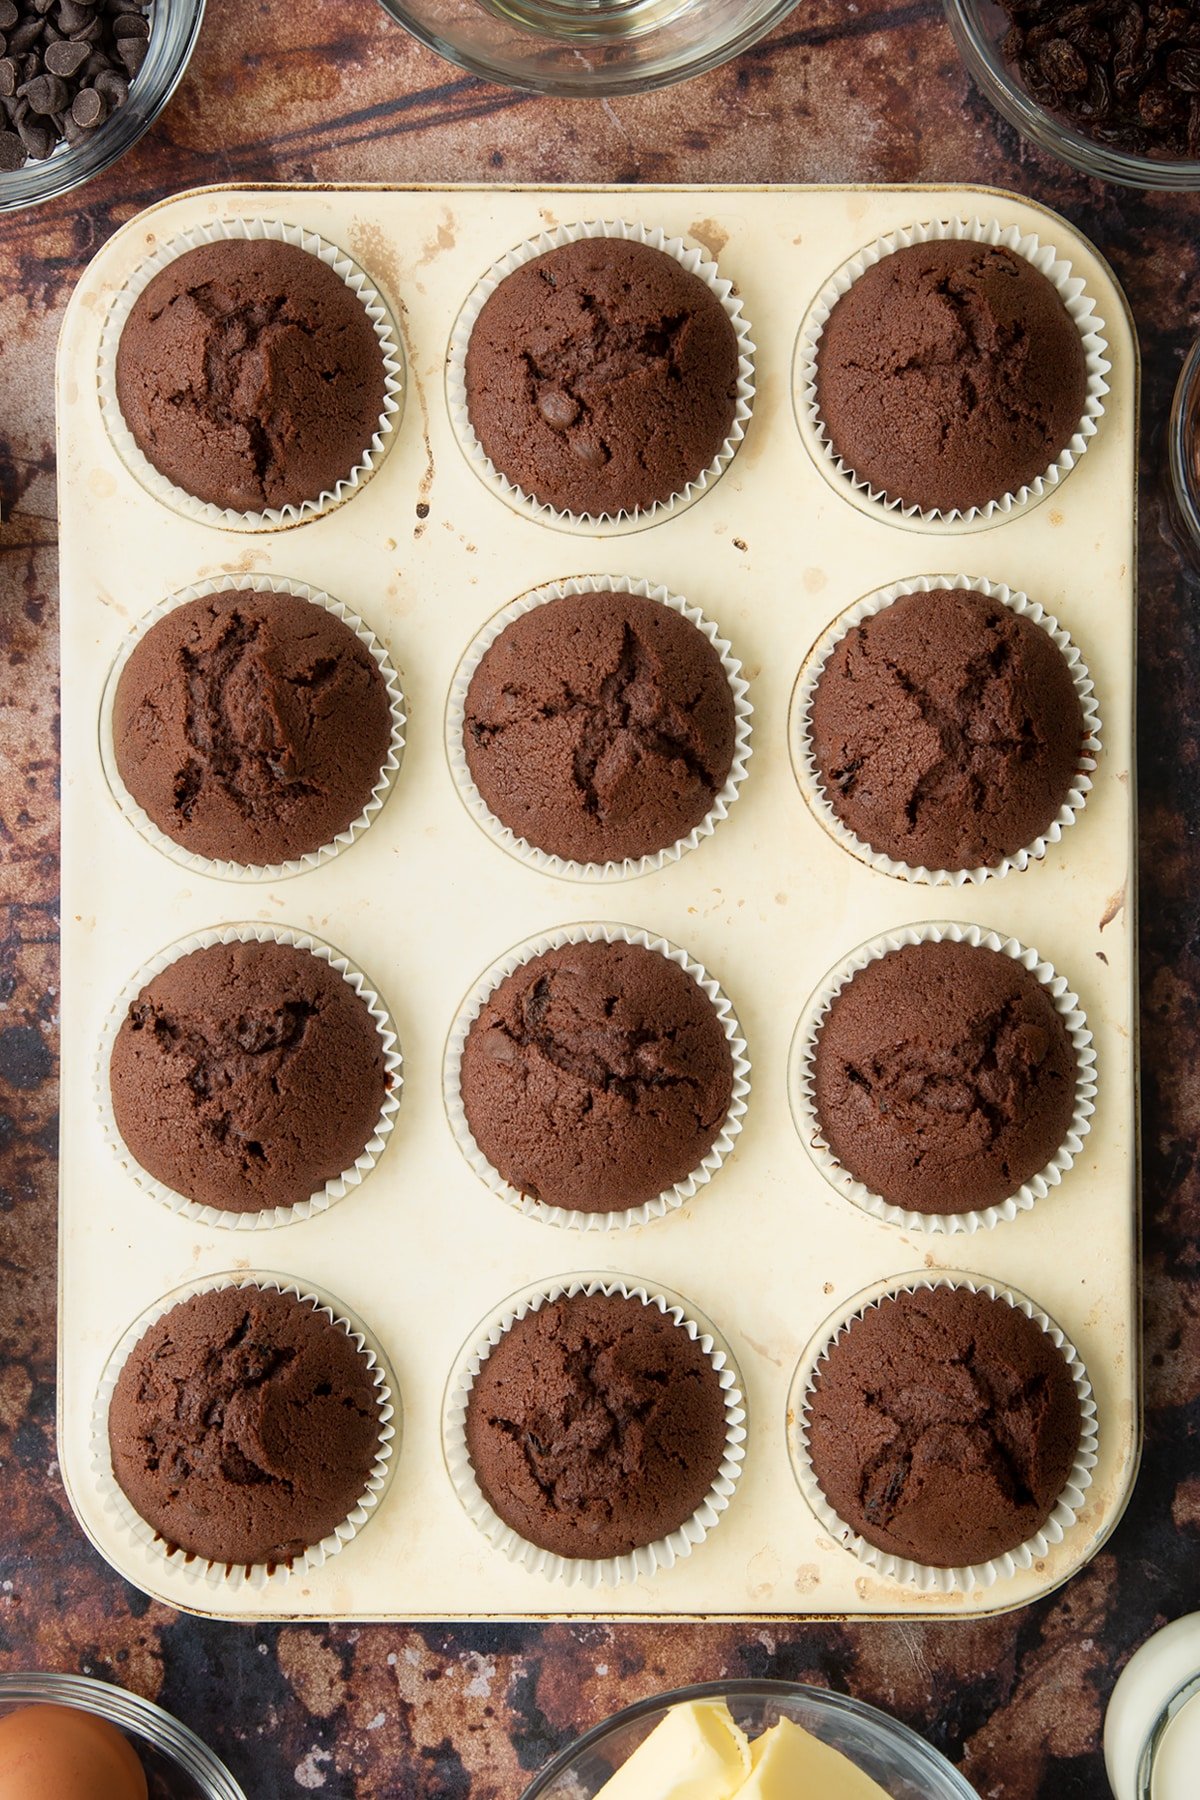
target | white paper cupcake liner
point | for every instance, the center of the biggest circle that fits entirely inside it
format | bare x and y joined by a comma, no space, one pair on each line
695,262
924,1576
541,860
139,465
648,1559
334,1189
570,1218
198,1570
801,1079
808,776
1075,298
223,869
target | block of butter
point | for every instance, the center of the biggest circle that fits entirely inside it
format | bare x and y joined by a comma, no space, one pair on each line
790,1764
698,1752
695,1753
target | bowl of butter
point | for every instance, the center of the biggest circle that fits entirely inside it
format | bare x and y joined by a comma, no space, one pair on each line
750,1740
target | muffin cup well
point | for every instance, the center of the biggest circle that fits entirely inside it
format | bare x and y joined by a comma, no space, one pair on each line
542,860
198,1569
139,465
665,1552
1075,298
801,1079
672,1198
808,776
924,1576
335,1189
696,262
223,869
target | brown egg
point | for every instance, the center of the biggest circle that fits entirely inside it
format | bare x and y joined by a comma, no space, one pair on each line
58,1753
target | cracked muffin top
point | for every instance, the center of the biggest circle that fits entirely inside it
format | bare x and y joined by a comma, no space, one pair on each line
250,375
602,377
595,1426
251,726
944,1078
942,1426
950,374
600,726
244,1426
596,1076
946,730
246,1076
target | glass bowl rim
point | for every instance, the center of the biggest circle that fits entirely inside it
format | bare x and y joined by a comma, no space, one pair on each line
35,183
1122,167
1185,411
748,1688
130,1712
588,87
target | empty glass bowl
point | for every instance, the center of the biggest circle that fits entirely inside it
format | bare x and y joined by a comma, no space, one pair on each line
178,1766
979,28
174,27
904,1765
588,47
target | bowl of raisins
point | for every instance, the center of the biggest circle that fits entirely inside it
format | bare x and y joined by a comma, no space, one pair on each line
1110,86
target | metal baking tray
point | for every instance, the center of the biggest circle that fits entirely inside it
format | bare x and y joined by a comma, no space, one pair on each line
424,901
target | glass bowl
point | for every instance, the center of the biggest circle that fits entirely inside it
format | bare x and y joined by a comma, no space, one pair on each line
174,26
904,1765
178,1766
588,47
1184,447
979,28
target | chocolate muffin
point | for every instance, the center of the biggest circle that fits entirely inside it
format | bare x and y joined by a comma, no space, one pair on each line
244,1426
250,375
596,1426
251,726
246,1076
950,374
596,1076
946,730
942,1426
602,377
600,726
944,1078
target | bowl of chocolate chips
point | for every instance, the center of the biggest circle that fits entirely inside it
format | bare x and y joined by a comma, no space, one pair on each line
1110,86
80,81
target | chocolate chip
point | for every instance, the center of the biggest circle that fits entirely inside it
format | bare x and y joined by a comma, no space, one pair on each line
9,75
558,409
66,58
589,450
89,108
47,94
12,152
8,15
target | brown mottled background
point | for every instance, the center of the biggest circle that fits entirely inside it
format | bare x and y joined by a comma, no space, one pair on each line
299,90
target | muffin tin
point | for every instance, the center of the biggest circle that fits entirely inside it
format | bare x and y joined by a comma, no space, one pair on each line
426,900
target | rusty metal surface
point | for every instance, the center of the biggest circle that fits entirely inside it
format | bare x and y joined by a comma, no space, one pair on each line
330,90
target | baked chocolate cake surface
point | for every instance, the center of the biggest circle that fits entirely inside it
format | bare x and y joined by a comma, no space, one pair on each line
943,1425
950,374
246,1076
944,1078
251,726
596,1076
602,376
250,375
946,730
596,1425
600,726
244,1426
